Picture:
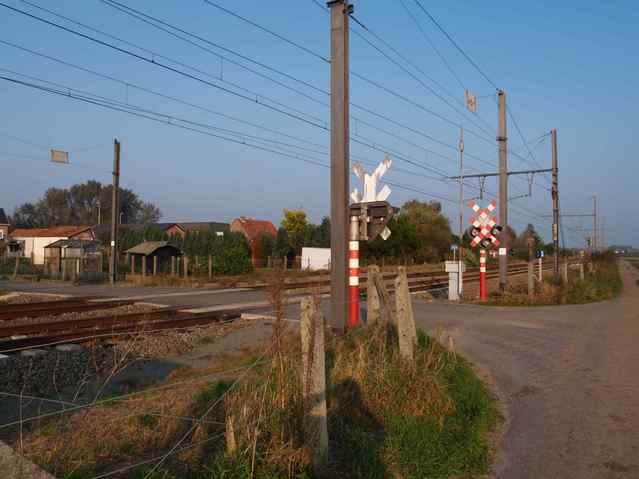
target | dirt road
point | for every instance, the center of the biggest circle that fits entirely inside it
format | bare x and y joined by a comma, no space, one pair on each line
568,377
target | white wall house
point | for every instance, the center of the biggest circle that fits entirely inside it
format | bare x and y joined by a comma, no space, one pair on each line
316,258
35,239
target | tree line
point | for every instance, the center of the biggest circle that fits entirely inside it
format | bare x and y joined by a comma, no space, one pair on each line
86,203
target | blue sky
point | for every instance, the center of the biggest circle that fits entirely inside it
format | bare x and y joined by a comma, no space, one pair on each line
565,65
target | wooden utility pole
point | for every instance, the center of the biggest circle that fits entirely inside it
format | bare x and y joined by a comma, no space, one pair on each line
340,11
461,212
555,203
115,206
502,140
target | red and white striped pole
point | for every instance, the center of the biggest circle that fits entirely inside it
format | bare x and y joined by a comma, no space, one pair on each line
482,275
353,273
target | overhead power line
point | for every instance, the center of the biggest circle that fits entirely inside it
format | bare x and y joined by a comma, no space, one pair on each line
355,74
456,45
433,46
154,56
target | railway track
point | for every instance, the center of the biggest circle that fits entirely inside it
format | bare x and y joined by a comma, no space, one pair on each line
109,326
10,312
95,330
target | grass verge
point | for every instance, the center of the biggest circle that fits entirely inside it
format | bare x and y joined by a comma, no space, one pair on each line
602,283
387,418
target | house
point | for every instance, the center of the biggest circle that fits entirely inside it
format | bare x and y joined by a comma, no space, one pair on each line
253,230
197,226
170,229
34,240
4,226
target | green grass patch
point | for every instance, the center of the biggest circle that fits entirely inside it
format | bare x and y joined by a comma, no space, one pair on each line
387,417
602,283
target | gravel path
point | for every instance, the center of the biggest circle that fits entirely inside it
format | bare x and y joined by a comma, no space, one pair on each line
568,378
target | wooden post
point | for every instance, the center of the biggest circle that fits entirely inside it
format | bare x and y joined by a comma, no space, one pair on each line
314,383
143,265
531,280
172,265
210,266
406,329
372,297
155,266
132,264
186,266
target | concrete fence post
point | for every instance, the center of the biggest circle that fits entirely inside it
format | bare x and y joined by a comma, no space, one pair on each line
17,267
314,384
384,299
531,280
143,265
186,266
172,265
210,266
372,297
565,272
541,270
64,268
155,266
132,264
582,275
406,329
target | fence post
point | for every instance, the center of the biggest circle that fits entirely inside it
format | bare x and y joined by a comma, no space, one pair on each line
186,266
210,266
582,274
372,297
172,265
406,329
531,279
384,299
155,265
143,265
132,264
314,383
15,270
565,272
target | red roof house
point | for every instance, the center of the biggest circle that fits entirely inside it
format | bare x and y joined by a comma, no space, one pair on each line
253,230
34,240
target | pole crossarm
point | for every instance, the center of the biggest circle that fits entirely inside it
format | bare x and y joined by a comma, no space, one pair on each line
585,215
484,175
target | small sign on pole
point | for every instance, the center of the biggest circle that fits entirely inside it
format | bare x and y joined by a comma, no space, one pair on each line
471,102
59,156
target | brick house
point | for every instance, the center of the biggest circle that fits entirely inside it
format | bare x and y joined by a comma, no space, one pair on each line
253,230
34,240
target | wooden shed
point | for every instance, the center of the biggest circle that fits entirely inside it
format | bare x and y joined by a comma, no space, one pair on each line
73,256
152,257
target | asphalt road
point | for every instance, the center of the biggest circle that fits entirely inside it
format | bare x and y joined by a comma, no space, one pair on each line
567,377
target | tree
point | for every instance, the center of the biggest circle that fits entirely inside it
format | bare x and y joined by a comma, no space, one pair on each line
296,225
81,204
432,229
319,236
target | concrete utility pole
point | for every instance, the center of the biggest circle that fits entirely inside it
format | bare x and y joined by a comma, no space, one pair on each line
502,139
555,203
115,207
594,226
340,11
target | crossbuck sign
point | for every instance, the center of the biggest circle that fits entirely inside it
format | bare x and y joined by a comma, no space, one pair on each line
485,228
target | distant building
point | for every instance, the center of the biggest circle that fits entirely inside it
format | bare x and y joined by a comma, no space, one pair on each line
253,230
4,226
34,240
170,229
